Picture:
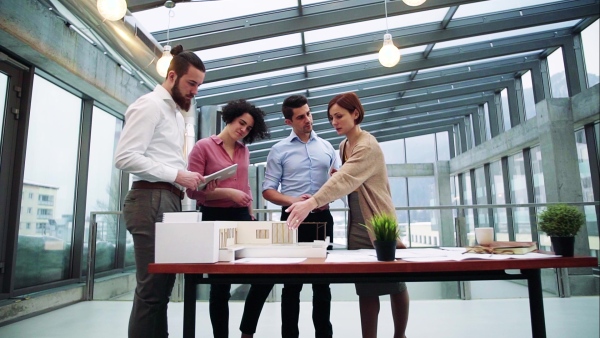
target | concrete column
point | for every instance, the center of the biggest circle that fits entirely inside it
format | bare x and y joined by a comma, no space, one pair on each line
499,112
574,65
443,196
559,158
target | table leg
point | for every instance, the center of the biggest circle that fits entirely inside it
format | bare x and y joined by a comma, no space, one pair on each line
189,307
536,303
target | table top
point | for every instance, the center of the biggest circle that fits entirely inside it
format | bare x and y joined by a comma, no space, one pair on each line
318,265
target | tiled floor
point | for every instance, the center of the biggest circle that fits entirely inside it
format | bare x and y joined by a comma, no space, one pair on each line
489,318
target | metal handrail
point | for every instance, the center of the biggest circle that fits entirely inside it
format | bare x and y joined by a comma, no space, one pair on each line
91,262
466,206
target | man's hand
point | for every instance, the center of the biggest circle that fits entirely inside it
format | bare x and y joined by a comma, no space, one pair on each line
189,179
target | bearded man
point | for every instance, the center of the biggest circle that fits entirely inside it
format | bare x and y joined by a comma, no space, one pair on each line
151,149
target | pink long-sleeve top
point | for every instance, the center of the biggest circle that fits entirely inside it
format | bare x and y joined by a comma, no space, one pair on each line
208,156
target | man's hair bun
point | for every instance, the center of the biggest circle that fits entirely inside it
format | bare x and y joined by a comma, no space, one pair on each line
176,50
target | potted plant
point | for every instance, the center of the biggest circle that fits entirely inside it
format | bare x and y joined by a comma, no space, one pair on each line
561,222
384,228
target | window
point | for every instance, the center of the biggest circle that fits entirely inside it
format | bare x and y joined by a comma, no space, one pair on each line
518,195
3,94
481,195
103,190
45,199
558,79
443,146
498,197
394,151
587,189
539,188
589,40
399,198
528,98
54,125
420,149
505,109
44,212
468,200
421,192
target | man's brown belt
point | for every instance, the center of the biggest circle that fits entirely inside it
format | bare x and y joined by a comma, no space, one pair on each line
158,185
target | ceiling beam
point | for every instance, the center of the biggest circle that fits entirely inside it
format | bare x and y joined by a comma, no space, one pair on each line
405,37
290,21
369,70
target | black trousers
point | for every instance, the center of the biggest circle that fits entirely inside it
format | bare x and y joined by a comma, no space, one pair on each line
290,295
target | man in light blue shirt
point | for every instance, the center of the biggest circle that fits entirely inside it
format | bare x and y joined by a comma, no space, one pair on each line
300,164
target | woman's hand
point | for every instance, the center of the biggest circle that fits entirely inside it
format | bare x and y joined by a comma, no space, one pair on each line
399,244
298,212
210,186
240,197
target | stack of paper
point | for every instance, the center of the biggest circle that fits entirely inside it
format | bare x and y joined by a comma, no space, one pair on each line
182,217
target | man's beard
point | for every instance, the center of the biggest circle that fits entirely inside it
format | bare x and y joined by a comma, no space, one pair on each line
181,101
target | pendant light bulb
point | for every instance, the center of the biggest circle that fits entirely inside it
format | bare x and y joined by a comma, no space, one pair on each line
162,65
414,2
389,55
112,10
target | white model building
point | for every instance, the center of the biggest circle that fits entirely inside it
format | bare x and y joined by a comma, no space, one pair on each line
181,241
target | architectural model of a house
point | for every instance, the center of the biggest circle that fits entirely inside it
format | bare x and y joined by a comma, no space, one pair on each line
181,241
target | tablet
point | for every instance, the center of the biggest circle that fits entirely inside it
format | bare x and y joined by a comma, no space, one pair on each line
219,175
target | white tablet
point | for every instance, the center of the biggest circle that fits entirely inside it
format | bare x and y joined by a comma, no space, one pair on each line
219,175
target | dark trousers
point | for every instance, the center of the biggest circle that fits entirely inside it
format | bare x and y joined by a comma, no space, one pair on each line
141,210
218,301
290,295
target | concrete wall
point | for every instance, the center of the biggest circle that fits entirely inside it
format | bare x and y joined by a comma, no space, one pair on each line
585,108
40,38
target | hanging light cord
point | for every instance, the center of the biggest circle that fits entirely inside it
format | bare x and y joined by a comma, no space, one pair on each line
169,25
386,22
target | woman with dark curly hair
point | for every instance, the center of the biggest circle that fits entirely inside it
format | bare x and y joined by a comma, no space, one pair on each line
231,199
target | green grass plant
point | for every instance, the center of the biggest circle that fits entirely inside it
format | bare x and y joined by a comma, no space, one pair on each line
384,227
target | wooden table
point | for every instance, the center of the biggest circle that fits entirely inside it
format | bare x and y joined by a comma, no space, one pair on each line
316,270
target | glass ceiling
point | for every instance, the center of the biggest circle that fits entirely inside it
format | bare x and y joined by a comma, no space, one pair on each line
331,46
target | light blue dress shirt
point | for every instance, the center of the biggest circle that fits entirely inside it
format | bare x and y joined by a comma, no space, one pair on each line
300,168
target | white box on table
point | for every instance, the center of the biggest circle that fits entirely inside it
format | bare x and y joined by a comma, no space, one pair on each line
193,242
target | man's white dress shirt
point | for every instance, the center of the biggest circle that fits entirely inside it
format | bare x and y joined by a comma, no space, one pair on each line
151,143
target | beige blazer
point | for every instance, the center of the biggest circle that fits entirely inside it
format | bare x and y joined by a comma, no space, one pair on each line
364,171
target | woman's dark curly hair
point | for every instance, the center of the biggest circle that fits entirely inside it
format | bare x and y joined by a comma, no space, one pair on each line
236,108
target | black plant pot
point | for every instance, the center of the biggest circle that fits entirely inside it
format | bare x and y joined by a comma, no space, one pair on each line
564,246
386,250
